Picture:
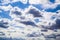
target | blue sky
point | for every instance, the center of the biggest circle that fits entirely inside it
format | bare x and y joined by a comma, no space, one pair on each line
53,9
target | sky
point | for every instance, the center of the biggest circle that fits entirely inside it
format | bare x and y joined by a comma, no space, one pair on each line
30,18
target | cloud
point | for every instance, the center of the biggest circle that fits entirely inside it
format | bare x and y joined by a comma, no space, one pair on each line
45,4
6,8
26,12
29,23
34,1
38,1
4,23
35,12
57,25
24,1
23,19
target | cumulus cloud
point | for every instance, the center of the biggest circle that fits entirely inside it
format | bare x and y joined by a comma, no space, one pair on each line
34,1
34,12
45,16
24,1
23,21
6,8
45,4
3,24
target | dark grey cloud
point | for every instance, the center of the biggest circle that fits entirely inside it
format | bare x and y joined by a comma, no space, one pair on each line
28,23
44,30
2,34
53,26
57,25
50,36
33,35
17,13
35,13
3,24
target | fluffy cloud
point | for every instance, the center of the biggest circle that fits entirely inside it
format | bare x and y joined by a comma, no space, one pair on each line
4,23
24,1
23,20
6,8
45,16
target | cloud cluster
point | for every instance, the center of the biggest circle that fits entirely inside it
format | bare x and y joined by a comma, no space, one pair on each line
23,21
46,21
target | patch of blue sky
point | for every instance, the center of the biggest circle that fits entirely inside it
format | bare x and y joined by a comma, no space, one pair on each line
1,1
4,4
5,38
53,10
38,6
19,4
52,1
53,17
36,20
5,14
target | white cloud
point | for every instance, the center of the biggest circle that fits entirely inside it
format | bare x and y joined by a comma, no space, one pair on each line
5,2
38,1
45,3
16,26
57,1
24,1
34,1
46,16
46,6
6,8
